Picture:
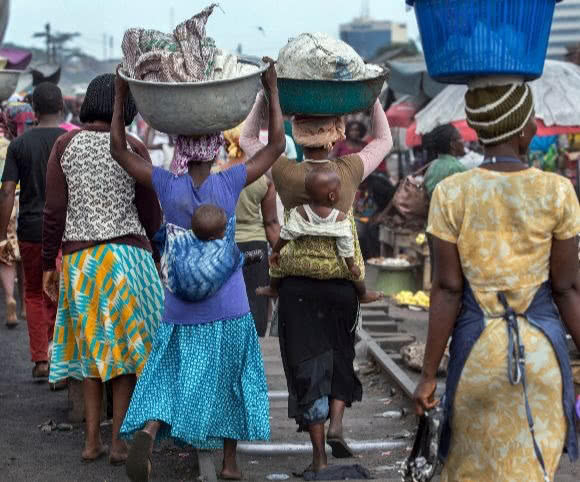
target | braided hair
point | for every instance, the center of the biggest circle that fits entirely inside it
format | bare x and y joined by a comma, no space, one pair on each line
100,100
438,141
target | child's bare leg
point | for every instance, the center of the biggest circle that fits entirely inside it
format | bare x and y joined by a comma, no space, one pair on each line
271,291
365,296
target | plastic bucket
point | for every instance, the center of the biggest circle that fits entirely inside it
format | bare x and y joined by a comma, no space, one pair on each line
468,38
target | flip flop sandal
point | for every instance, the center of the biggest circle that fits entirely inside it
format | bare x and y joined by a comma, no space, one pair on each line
117,461
138,464
301,474
229,477
340,448
104,451
12,323
39,377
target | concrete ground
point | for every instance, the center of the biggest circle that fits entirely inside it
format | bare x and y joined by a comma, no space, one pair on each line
30,455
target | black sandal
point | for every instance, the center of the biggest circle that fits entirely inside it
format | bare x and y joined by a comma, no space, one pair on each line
340,448
138,464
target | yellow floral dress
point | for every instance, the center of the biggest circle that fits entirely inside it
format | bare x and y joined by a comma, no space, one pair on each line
503,225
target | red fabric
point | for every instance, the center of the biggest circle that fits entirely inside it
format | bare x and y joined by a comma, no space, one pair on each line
468,134
402,114
40,310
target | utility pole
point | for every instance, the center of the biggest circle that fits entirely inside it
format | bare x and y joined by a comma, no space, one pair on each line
48,39
54,43
365,10
111,45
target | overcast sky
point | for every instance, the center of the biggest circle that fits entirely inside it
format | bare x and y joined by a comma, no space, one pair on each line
280,19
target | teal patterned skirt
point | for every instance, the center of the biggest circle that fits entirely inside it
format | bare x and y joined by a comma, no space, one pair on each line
204,383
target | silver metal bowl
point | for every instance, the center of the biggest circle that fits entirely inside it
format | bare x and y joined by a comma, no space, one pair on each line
197,108
8,83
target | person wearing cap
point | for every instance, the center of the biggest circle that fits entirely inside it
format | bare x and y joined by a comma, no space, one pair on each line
505,264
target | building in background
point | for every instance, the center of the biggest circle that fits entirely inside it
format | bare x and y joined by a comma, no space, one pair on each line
368,36
565,33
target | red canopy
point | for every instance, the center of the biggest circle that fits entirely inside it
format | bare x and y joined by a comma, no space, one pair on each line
468,134
401,114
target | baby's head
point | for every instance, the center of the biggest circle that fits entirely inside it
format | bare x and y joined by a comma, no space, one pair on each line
209,222
323,185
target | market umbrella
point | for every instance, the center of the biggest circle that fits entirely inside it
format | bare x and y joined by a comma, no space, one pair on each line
402,112
411,78
414,139
556,98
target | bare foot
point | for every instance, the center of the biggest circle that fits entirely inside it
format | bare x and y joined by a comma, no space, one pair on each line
119,453
317,467
371,297
11,318
267,291
230,473
92,453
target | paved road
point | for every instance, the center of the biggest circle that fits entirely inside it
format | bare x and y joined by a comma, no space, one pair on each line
30,455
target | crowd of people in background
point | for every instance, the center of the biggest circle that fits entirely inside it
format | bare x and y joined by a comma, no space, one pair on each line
80,208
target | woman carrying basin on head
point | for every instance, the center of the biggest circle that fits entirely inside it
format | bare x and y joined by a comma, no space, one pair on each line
204,383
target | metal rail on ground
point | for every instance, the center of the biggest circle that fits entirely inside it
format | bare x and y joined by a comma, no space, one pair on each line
387,364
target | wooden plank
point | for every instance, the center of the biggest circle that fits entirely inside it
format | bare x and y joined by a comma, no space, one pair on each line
383,327
387,364
373,315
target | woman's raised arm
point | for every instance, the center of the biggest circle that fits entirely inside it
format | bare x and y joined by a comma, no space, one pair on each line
376,150
137,167
266,157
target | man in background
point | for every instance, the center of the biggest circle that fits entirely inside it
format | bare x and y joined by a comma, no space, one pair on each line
26,162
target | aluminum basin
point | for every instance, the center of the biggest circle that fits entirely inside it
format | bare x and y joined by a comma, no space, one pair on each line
8,83
197,108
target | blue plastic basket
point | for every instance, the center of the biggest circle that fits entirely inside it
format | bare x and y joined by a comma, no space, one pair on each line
473,38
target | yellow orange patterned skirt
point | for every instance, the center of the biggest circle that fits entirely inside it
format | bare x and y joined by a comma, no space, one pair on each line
111,302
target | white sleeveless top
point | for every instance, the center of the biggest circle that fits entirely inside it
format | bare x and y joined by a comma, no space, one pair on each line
101,195
296,226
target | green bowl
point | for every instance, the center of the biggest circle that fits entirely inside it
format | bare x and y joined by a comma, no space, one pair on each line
328,97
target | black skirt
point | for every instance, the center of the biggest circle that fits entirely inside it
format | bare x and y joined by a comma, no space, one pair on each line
317,322
256,275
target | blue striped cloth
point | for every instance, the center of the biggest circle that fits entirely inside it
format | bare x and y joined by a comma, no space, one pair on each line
194,270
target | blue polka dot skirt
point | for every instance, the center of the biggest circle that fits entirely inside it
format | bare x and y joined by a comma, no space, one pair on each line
205,383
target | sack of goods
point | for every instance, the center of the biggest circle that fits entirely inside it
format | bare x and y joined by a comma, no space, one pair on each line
186,55
318,56
183,84
319,75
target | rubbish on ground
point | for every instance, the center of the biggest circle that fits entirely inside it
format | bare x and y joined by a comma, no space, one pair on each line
48,426
277,477
64,427
393,414
414,354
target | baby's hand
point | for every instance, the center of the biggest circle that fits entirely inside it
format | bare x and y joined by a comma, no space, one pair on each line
275,260
355,271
